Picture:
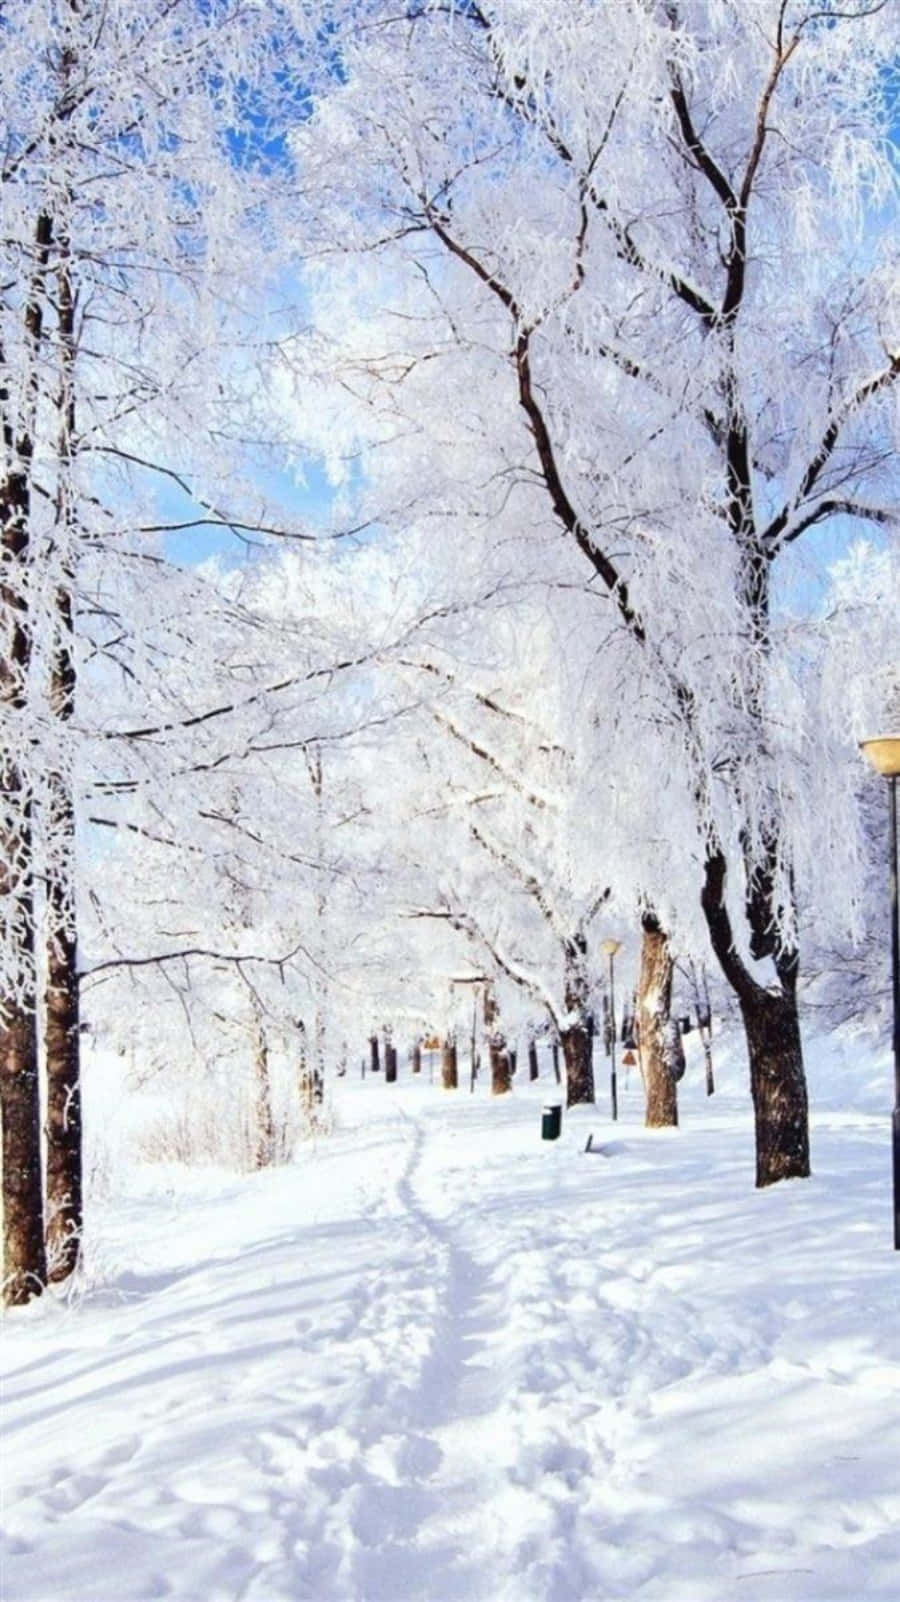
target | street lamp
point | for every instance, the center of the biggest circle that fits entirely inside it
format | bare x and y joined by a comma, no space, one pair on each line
884,754
609,949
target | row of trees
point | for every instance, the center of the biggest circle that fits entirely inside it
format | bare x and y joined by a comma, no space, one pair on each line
594,335
587,237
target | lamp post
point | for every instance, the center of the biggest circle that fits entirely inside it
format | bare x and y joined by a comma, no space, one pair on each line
883,752
609,949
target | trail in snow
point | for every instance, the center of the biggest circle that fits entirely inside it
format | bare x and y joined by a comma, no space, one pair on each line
457,1382
440,1359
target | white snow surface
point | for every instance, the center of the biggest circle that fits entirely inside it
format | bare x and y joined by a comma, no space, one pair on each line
440,1358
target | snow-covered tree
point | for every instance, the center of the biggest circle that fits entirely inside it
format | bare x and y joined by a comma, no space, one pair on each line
513,863
638,298
135,223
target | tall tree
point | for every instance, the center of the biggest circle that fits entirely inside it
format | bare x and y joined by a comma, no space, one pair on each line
517,871
65,1178
25,1267
133,146
654,262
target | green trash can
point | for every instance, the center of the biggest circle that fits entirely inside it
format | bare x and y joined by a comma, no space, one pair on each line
551,1121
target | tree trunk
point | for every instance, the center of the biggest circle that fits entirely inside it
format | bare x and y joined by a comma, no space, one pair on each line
302,1065
374,1061
24,1259
532,1060
390,1063
707,1060
62,1043
319,1042
501,1078
654,1009
449,1076
577,1056
264,1153
777,1085
772,1029
417,1058
24,1255
577,1039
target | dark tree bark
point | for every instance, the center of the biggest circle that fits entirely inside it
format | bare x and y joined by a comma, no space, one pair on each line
390,1063
654,1011
374,1055
24,1257
62,1046
777,1084
532,1060
62,1042
417,1058
708,1062
577,1038
449,1075
577,1056
771,1025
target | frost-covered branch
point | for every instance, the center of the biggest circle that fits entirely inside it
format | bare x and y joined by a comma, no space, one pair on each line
481,751
209,954
489,702
563,507
832,507
529,880
464,923
781,525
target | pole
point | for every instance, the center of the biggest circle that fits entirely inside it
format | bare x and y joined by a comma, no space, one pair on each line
895,979
614,1088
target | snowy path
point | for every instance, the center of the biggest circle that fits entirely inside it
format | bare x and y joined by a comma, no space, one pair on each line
440,1359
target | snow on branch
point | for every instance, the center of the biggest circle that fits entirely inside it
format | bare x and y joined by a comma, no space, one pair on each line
779,530
466,924
523,876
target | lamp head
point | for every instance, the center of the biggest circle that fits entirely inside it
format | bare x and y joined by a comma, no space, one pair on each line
610,947
883,752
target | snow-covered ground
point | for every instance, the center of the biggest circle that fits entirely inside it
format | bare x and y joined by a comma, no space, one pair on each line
441,1358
